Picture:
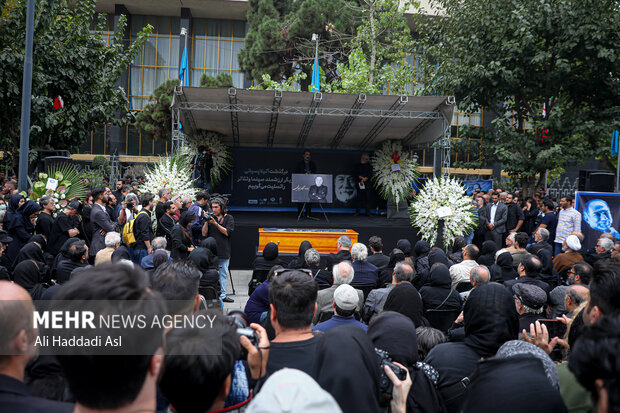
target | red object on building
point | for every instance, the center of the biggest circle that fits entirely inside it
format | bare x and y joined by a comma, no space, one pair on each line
59,103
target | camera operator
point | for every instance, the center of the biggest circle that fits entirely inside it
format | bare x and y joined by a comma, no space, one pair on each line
198,227
202,164
220,226
130,207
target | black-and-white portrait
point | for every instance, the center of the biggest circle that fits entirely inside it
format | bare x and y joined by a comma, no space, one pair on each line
312,188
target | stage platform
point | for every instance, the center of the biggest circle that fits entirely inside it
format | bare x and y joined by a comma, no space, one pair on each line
245,238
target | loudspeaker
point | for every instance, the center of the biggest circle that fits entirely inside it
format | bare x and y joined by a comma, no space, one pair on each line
45,153
596,181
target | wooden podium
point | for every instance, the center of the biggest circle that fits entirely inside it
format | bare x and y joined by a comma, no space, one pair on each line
323,240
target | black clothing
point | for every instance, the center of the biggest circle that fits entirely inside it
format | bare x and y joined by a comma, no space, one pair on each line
323,277
222,241
29,275
457,250
20,228
300,260
164,228
533,280
519,384
298,355
210,244
439,294
548,273
181,241
379,260
534,248
405,299
87,228
453,361
346,373
159,212
142,229
208,265
514,215
303,167
503,270
15,397
526,319
268,259
593,258
405,246
317,193
31,251
63,255
487,253
363,195
60,234
421,250
333,259
44,224
65,268
4,274
490,319
119,198
529,223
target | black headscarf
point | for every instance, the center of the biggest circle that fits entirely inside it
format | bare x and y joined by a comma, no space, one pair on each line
487,253
421,249
11,211
405,246
33,250
22,216
405,299
440,277
121,253
503,270
203,259
352,375
519,382
396,256
490,319
26,274
395,333
300,260
270,252
438,256
210,244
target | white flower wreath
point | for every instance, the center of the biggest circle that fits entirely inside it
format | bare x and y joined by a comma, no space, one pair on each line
444,193
170,172
393,172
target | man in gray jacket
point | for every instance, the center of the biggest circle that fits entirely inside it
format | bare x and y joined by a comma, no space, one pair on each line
403,272
100,220
343,274
493,218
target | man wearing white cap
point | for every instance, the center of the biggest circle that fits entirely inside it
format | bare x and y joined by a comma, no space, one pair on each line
346,301
570,256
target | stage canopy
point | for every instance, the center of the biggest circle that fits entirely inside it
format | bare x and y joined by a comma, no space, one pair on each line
267,118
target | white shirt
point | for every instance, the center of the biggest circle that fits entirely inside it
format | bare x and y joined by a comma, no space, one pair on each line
460,272
493,210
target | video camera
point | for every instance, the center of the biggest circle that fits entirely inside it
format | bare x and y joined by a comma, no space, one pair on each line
385,384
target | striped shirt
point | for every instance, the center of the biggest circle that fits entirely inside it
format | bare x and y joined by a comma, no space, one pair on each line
569,220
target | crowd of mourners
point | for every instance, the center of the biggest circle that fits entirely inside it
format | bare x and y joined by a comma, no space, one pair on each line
515,316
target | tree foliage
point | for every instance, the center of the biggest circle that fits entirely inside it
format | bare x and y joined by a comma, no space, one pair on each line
279,39
68,61
516,57
156,118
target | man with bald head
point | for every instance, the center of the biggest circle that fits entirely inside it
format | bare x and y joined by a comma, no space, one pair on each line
17,337
575,295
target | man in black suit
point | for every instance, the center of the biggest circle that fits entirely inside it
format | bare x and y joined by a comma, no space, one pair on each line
100,221
318,191
493,217
305,166
17,348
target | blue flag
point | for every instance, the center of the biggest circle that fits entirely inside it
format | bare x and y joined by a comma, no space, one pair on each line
614,143
183,75
316,78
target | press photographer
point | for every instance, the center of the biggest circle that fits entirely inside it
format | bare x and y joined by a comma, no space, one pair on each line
220,226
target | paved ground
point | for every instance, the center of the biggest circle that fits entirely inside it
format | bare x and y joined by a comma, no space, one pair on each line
241,278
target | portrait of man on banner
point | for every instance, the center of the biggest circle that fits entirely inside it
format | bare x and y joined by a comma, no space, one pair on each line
599,211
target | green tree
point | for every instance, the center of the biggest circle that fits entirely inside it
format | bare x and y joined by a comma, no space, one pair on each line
155,119
68,61
380,49
279,43
516,57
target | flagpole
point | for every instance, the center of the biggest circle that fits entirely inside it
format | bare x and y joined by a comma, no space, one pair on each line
24,141
618,174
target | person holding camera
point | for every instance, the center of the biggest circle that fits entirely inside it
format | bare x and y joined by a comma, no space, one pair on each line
130,207
143,229
181,237
199,224
220,226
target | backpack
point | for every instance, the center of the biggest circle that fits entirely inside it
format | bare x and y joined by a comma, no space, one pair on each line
128,236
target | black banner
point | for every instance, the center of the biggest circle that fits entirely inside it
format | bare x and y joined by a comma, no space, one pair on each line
261,177
600,213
